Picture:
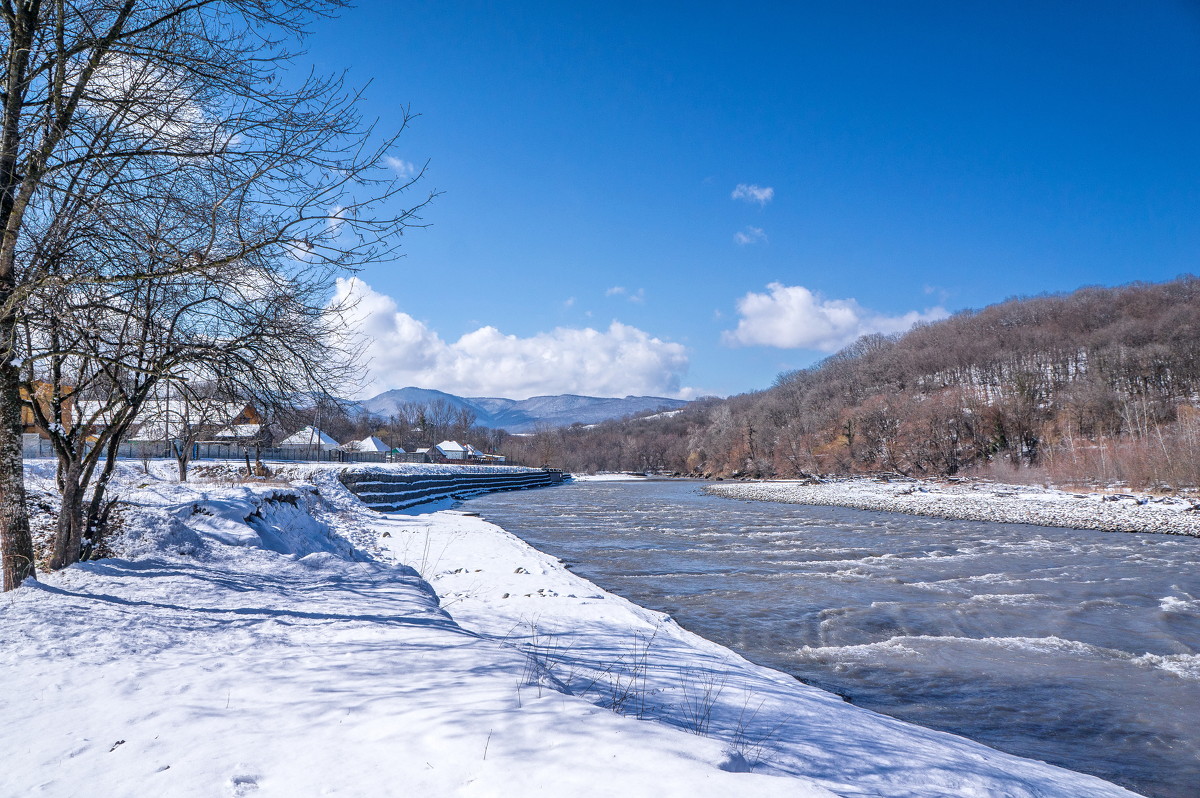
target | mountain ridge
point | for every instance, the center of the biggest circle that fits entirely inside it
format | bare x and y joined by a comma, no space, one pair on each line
523,415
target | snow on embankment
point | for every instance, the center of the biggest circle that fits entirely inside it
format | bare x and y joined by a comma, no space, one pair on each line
242,645
984,501
247,641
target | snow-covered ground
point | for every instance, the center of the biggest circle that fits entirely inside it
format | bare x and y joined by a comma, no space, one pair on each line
282,639
968,500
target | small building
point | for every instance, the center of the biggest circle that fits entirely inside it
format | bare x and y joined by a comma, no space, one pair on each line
308,438
451,450
455,452
43,393
245,426
239,433
476,456
367,444
163,419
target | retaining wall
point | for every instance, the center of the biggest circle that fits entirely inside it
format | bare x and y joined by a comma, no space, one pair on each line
391,492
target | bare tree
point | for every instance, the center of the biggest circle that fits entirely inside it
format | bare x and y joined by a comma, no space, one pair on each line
187,106
246,330
201,409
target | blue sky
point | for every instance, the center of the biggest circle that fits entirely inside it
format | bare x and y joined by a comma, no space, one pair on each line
899,161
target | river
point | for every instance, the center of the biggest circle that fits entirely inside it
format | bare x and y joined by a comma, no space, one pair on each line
1074,647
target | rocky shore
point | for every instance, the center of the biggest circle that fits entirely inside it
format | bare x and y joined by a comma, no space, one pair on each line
984,501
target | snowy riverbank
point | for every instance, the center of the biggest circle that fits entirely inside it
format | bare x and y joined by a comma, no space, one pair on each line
282,639
984,501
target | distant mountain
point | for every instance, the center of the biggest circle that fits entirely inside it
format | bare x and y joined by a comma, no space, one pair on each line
387,403
525,415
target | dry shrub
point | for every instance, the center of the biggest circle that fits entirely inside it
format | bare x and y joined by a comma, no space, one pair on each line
1167,457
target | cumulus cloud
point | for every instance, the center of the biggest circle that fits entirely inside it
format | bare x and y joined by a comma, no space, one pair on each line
748,192
751,235
616,290
793,317
403,351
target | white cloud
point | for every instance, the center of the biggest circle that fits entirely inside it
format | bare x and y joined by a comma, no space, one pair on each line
337,216
155,102
638,297
749,192
793,317
403,351
401,167
751,235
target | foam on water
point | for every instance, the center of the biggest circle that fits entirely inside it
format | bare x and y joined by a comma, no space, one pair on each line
1176,604
1185,666
1034,651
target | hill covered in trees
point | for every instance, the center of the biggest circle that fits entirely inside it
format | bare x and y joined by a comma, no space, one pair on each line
1099,385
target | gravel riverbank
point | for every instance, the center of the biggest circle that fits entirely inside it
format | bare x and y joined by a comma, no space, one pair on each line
984,501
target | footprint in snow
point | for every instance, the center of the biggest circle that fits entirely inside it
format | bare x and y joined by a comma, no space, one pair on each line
243,785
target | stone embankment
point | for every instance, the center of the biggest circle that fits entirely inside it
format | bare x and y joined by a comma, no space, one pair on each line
387,491
985,501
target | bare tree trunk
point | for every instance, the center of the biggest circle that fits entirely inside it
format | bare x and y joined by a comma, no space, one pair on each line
97,509
182,456
16,544
68,540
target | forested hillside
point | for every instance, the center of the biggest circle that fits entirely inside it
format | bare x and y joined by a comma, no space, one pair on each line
1099,385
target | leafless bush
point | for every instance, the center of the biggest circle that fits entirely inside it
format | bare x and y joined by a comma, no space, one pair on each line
750,745
622,685
701,690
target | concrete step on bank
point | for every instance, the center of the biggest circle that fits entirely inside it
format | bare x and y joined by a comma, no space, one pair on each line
391,492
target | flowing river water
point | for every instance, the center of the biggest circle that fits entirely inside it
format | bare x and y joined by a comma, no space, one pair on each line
1078,648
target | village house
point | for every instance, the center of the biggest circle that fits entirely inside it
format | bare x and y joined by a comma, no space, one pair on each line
42,394
451,450
246,426
367,444
455,452
183,418
309,438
